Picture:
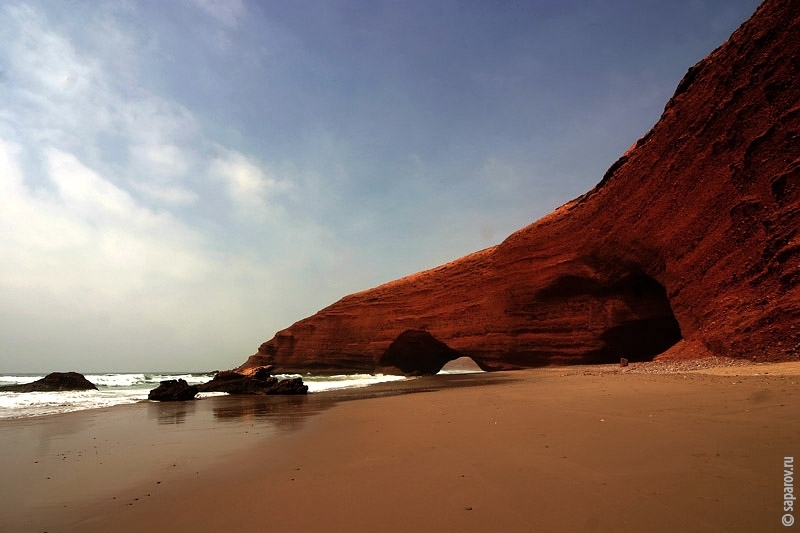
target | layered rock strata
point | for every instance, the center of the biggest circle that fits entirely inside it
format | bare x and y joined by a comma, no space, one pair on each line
691,236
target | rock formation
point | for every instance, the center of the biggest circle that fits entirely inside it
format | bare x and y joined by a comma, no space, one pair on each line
173,390
416,352
689,243
53,382
257,380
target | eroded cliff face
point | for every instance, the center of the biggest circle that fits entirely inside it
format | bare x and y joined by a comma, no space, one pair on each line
691,236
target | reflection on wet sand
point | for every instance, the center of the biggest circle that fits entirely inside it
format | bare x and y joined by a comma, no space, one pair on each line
130,449
172,412
288,412
283,412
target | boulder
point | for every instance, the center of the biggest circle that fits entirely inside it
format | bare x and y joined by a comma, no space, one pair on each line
173,390
55,381
254,381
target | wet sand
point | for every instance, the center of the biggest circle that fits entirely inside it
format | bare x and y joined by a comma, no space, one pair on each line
556,449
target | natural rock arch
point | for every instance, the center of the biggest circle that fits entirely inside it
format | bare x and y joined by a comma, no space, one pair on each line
649,327
706,204
596,315
417,352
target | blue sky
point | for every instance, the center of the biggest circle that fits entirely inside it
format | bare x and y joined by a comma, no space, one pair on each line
181,179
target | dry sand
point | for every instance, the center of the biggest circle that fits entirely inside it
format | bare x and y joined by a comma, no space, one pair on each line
556,449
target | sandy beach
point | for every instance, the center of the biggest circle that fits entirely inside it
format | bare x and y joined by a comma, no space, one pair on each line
553,449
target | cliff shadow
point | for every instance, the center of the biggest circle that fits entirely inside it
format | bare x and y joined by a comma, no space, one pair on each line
643,325
602,319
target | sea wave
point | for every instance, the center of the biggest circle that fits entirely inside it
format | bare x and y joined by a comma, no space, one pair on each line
117,389
18,380
342,381
134,380
23,405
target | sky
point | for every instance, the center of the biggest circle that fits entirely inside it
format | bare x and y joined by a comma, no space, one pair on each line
181,179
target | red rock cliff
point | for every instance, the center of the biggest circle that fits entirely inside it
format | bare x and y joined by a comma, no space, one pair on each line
692,234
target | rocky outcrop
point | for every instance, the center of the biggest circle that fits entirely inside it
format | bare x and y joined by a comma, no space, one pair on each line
173,390
259,381
53,382
692,234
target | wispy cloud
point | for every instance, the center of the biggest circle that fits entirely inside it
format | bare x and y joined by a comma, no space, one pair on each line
227,12
95,170
60,96
250,187
85,249
92,233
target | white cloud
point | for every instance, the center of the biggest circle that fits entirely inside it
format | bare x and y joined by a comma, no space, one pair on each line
96,173
61,96
249,186
87,251
84,192
161,161
90,230
47,77
168,195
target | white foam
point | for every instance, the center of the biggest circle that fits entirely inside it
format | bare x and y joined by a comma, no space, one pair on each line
342,381
139,380
18,380
116,380
191,379
116,389
25,404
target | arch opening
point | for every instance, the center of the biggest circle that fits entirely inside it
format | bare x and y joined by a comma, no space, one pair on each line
643,324
598,320
416,352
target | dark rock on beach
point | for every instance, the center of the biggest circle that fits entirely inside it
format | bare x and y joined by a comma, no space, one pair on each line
173,390
259,381
53,382
256,381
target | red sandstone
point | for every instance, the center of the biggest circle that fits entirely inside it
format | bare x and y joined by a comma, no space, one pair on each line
691,236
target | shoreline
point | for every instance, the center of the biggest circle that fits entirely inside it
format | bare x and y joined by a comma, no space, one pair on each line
557,448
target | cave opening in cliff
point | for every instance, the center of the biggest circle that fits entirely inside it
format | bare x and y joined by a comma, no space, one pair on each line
645,329
417,352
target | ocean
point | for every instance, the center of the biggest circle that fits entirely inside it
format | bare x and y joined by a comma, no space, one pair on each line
117,389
